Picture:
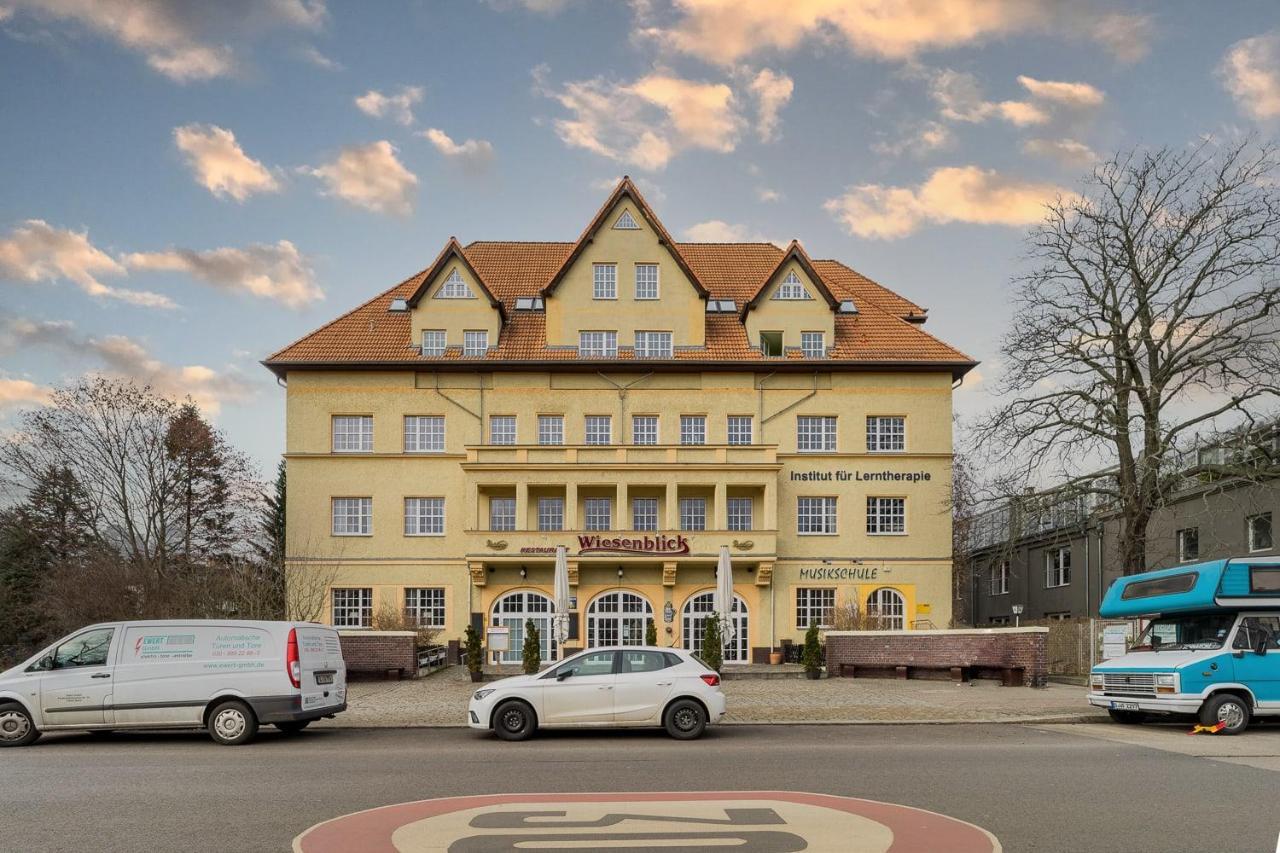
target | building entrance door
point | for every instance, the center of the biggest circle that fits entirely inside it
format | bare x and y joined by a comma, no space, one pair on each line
696,611
618,619
513,610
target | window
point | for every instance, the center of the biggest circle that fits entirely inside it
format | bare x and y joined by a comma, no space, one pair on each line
1259,529
605,281
502,429
1262,579
693,620
425,606
423,434
598,344
886,515
1057,567
740,513
599,514
513,610
454,288
433,342
813,344
815,434
653,345
626,222
1167,585
1000,578
693,429
646,281
636,661
618,619
1255,631
598,663
353,433
791,288
771,343
644,429
1188,544
475,342
644,514
888,607
599,429
550,429
739,429
502,513
886,434
424,516
551,513
352,608
693,513
88,649
815,515
352,516
813,605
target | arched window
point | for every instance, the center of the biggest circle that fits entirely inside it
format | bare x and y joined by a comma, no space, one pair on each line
889,607
618,619
693,621
512,610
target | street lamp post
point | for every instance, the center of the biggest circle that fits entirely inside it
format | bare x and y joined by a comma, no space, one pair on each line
1017,614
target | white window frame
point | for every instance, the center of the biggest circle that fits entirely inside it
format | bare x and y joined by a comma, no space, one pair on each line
817,512
355,513
642,285
550,430
475,342
597,427
454,287
502,514
439,342
425,606
999,582
693,430
1250,532
886,516
550,514
782,343
886,434
889,606
791,288
735,432
1057,570
499,434
424,433
424,516
358,599
352,433
693,514
816,433
626,222
646,434
653,344
604,281
813,603
1181,536
597,512
740,514
644,514
813,344
598,343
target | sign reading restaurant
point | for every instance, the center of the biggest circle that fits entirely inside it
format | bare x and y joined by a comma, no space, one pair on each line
862,476
657,544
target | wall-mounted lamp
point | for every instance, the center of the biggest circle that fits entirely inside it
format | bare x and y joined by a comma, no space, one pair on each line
524,573
492,569
619,572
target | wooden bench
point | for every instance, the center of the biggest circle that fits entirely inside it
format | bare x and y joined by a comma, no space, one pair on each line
1010,676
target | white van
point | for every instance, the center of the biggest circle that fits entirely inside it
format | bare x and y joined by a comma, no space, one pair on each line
226,677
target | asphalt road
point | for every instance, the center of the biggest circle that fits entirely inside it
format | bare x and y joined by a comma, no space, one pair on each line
1058,789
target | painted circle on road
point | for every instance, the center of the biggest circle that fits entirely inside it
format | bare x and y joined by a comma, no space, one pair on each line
691,822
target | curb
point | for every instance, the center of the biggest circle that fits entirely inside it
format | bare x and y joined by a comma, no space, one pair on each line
985,721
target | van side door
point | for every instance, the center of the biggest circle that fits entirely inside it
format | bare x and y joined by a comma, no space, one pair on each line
77,691
158,676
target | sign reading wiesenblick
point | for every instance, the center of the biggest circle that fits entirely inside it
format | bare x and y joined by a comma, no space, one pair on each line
657,544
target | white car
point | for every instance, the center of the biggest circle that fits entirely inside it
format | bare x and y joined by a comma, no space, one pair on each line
629,686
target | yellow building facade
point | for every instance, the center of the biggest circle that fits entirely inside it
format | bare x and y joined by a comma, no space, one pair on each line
642,403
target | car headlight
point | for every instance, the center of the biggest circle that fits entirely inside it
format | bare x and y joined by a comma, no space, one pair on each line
480,694
1165,680
1095,681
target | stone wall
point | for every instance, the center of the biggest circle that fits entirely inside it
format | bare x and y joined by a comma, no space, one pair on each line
380,652
974,650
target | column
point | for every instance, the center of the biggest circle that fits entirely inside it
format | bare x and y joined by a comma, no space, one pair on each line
769,513
622,518
673,508
570,506
721,509
522,506
473,506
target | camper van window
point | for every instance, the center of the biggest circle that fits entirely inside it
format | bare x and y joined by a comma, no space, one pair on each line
1264,579
1254,628
1206,631
1160,586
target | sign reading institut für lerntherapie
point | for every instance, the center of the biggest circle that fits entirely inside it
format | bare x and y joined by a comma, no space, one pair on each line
856,476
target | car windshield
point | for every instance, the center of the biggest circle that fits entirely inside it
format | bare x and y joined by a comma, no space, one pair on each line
1206,631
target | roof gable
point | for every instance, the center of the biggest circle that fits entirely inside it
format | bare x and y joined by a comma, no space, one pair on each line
794,252
453,252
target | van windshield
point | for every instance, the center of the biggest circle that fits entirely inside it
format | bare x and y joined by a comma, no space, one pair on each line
1205,631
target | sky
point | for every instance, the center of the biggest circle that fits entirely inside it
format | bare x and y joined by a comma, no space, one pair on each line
186,187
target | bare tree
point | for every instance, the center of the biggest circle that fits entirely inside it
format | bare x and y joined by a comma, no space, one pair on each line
1149,317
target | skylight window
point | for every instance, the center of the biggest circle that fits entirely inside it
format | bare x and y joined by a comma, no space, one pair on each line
454,288
529,303
847,307
720,306
626,222
791,288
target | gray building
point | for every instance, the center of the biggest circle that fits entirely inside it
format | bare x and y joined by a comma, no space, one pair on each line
1054,553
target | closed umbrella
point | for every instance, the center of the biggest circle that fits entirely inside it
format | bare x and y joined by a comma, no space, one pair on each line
562,599
722,598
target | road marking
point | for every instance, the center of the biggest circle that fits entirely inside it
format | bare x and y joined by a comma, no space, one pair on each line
688,822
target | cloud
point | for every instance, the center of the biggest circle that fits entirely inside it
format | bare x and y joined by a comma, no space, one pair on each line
772,91
767,194
923,139
22,392
719,231
474,155
220,164
1067,152
648,121
184,41
397,107
964,194
961,98
36,251
1079,95
369,176
1250,71
276,272
312,54
1126,37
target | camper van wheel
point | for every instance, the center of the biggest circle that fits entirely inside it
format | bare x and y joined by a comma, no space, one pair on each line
1127,718
1226,708
16,726
231,723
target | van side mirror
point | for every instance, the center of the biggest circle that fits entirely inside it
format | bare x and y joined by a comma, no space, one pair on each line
43,665
561,676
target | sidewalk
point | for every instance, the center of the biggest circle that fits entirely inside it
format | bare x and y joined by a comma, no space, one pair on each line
441,700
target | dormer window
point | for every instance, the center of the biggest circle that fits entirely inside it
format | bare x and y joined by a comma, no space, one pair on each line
813,344
771,344
605,281
454,288
433,342
626,222
603,344
791,288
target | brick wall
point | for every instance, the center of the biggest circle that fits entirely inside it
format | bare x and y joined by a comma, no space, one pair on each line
380,651
982,647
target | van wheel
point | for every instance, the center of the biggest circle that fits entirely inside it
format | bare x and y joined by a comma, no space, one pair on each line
1127,718
232,723
685,720
16,726
292,728
514,721
1226,708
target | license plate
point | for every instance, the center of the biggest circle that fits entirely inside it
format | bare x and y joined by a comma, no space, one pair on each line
1125,706
324,678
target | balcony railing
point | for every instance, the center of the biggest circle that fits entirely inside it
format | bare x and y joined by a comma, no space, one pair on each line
607,455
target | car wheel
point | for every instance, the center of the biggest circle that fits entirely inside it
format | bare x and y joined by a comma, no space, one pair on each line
1127,718
1226,708
514,721
291,727
232,723
16,726
685,720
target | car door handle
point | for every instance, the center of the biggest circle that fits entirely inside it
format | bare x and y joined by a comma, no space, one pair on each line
101,675
605,687
664,683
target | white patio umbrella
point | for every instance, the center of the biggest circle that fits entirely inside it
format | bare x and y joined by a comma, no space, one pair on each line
561,599
722,598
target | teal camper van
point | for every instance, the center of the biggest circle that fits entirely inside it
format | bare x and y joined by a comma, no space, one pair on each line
1209,649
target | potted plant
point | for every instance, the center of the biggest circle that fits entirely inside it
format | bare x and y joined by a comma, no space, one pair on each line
775,656
531,653
474,654
713,643
651,633
812,656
